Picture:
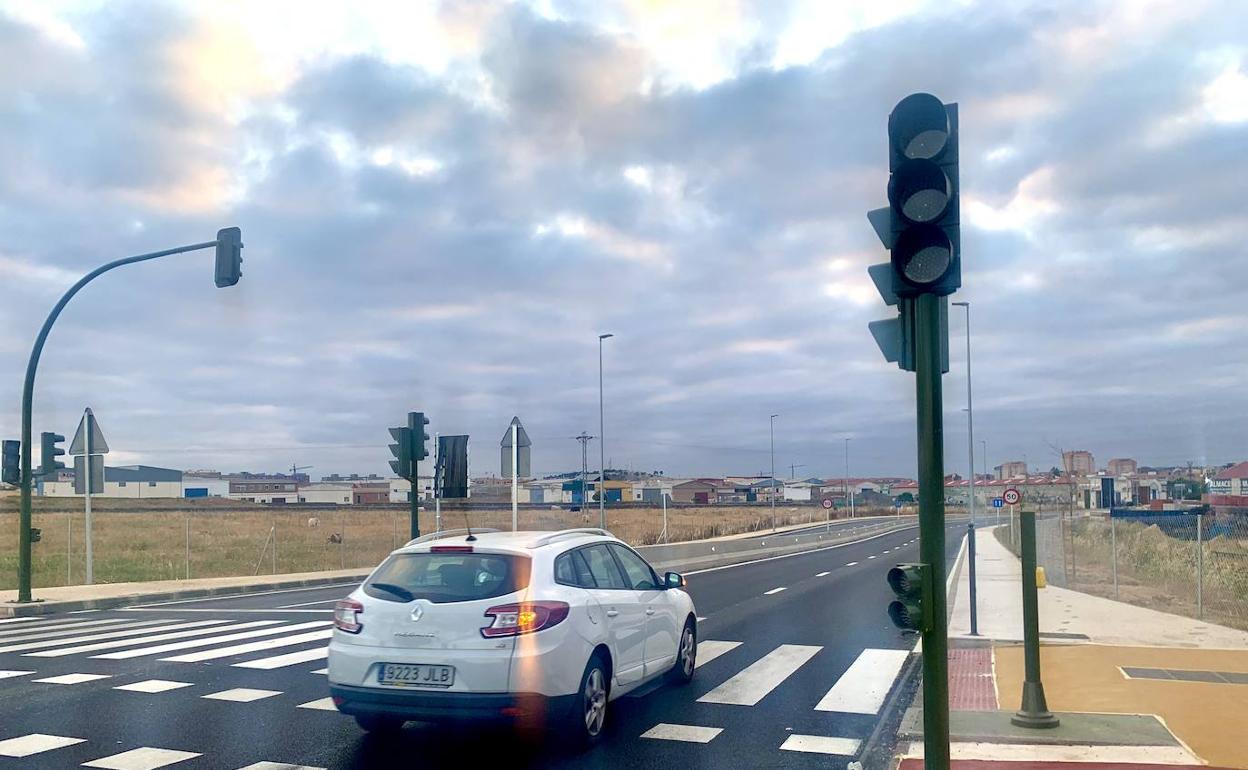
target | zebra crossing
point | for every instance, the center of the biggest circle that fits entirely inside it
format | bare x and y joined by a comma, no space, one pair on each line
139,758
738,675
259,644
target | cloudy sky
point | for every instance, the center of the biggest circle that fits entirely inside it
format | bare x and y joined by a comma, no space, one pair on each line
444,204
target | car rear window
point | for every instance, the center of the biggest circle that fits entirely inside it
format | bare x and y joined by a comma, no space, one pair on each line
448,577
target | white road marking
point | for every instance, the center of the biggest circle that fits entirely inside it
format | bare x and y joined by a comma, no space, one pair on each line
243,596
852,564
309,604
289,659
72,678
205,642
710,649
221,610
239,649
278,766
822,574
322,704
154,686
10,674
767,558
35,743
29,635
774,591
66,626
700,618
24,619
242,695
687,733
143,640
871,556
865,684
95,637
819,744
324,671
751,684
145,758
1151,755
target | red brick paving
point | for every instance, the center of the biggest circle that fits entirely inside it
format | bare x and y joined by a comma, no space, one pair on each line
970,680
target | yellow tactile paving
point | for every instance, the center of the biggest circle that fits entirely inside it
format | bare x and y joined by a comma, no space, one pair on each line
1212,719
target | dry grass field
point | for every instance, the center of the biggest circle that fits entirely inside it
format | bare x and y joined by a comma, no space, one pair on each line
155,539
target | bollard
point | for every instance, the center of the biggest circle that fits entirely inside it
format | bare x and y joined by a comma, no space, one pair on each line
1034,711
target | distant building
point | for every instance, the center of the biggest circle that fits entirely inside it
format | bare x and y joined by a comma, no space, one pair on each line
328,493
370,492
257,488
700,491
1121,466
132,481
1011,469
1079,463
202,484
1228,489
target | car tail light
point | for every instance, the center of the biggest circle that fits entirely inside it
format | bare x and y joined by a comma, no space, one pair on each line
347,616
451,549
523,618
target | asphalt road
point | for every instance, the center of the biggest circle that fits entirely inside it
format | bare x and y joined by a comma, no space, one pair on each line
258,697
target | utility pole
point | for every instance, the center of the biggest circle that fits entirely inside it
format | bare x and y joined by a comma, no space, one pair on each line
773,472
970,494
793,471
602,444
848,492
584,438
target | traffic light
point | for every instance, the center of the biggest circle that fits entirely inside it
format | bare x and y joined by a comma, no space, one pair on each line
49,451
416,422
229,256
912,609
12,471
402,451
920,225
36,534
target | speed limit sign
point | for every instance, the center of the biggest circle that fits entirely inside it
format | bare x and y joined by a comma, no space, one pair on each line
827,503
1012,496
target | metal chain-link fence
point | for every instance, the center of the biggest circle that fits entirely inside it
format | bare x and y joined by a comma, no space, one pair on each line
1188,564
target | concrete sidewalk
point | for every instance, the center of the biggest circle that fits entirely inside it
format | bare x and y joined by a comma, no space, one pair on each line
1133,687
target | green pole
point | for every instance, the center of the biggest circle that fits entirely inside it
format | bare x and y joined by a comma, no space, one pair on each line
28,395
1035,710
932,530
415,501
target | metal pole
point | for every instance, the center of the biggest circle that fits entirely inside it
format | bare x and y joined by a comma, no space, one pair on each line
1034,711
414,500
69,549
86,461
437,498
602,444
773,472
28,393
188,546
848,492
342,540
932,529
970,494
275,546
1113,544
663,495
1200,567
515,480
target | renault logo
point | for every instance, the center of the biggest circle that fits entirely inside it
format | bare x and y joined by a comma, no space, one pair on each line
417,613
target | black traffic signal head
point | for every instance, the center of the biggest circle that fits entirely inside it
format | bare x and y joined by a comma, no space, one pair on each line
49,451
36,534
416,422
402,451
229,256
12,469
911,610
923,196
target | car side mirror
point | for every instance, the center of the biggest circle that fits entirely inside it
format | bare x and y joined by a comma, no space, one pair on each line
674,580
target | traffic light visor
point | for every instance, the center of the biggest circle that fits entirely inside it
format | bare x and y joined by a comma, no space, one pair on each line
919,126
919,191
905,580
922,255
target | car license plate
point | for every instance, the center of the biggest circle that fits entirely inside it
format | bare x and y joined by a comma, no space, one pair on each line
415,675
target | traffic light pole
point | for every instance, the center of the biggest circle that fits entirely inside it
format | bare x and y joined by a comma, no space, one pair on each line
415,501
932,529
28,390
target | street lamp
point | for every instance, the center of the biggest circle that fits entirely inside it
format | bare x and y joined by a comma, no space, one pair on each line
228,245
848,494
602,444
970,459
773,472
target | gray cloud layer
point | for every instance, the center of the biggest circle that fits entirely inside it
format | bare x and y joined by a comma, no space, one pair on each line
1103,263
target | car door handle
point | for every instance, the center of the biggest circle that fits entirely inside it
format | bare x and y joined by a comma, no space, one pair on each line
612,613
649,610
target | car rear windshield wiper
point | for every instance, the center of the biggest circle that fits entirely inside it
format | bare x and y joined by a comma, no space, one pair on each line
391,588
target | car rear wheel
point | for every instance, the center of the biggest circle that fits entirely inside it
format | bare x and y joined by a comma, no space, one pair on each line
686,656
589,718
378,724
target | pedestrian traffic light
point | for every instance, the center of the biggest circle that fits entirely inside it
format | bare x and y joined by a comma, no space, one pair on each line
12,471
912,609
229,256
416,422
402,451
49,451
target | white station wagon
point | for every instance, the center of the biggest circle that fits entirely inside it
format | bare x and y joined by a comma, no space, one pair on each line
542,628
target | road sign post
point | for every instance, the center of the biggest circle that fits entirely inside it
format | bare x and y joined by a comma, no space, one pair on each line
88,444
1034,711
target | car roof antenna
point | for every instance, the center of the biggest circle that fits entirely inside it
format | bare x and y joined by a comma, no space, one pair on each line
468,525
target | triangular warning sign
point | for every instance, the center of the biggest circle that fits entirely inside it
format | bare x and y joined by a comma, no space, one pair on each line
79,445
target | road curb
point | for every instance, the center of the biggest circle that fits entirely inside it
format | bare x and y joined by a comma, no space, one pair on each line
76,605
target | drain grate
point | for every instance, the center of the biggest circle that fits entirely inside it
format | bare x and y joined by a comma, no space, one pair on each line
1181,675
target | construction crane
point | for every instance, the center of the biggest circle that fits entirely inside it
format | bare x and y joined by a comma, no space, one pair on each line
294,469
